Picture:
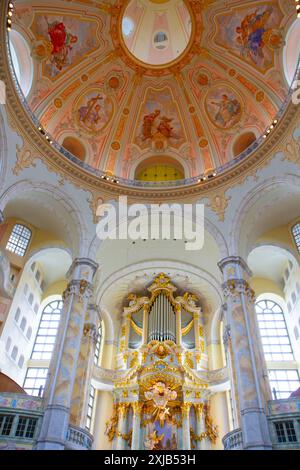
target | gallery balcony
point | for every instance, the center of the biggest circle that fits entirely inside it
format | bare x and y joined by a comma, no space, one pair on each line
20,421
284,425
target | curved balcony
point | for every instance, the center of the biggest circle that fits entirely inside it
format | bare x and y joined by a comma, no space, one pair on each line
233,440
78,439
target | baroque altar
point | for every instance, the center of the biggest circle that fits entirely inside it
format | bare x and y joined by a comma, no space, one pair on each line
162,403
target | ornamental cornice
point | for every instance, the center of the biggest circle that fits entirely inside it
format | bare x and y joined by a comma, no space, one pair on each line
214,189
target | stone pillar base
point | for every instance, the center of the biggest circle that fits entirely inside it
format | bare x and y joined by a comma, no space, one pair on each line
55,427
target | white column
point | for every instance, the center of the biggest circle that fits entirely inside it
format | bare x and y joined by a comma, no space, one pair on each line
63,366
186,434
200,426
248,363
122,412
136,426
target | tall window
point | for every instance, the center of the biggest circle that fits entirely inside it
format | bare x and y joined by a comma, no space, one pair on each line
277,348
90,407
19,240
283,382
46,335
273,331
98,345
296,235
35,380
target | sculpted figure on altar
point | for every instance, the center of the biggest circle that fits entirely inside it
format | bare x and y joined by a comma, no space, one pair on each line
161,394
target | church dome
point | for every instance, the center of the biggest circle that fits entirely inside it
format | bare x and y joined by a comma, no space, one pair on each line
116,84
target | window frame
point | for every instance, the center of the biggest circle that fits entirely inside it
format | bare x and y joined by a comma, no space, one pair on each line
274,342
296,237
43,351
18,243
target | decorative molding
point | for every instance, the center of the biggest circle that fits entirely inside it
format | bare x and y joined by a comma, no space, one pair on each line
218,202
80,288
236,287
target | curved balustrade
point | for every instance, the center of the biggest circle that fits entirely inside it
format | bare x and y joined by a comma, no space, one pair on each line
233,440
78,439
149,184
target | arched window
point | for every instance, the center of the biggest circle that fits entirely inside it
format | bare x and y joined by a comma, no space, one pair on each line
17,315
296,235
29,332
277,348
21,361
22,61
46,335
30,299
8,344
273,331
98,345
19,240
23,324
127,26
14,353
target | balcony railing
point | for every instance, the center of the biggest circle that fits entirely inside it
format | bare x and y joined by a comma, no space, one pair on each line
78,439
233,440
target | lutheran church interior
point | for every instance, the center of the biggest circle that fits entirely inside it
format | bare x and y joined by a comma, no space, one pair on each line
119,344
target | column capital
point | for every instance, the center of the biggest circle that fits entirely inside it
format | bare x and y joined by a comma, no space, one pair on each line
234,267
236,287
80,288
82,268
122,409
185,408
137,408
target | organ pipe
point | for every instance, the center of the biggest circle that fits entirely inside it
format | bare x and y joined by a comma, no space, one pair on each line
161,321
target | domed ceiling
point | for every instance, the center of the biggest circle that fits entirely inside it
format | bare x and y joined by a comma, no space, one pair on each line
125,85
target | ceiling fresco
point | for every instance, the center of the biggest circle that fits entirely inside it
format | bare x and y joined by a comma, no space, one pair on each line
228,81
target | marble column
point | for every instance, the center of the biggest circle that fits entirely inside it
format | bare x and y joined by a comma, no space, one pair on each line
200,426
82,385
63,366
186,433
136,426
233,393
249,374
122,426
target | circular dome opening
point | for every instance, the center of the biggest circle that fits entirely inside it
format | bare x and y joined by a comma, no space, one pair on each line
156,32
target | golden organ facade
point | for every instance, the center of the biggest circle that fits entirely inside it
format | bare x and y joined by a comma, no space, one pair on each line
163,402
